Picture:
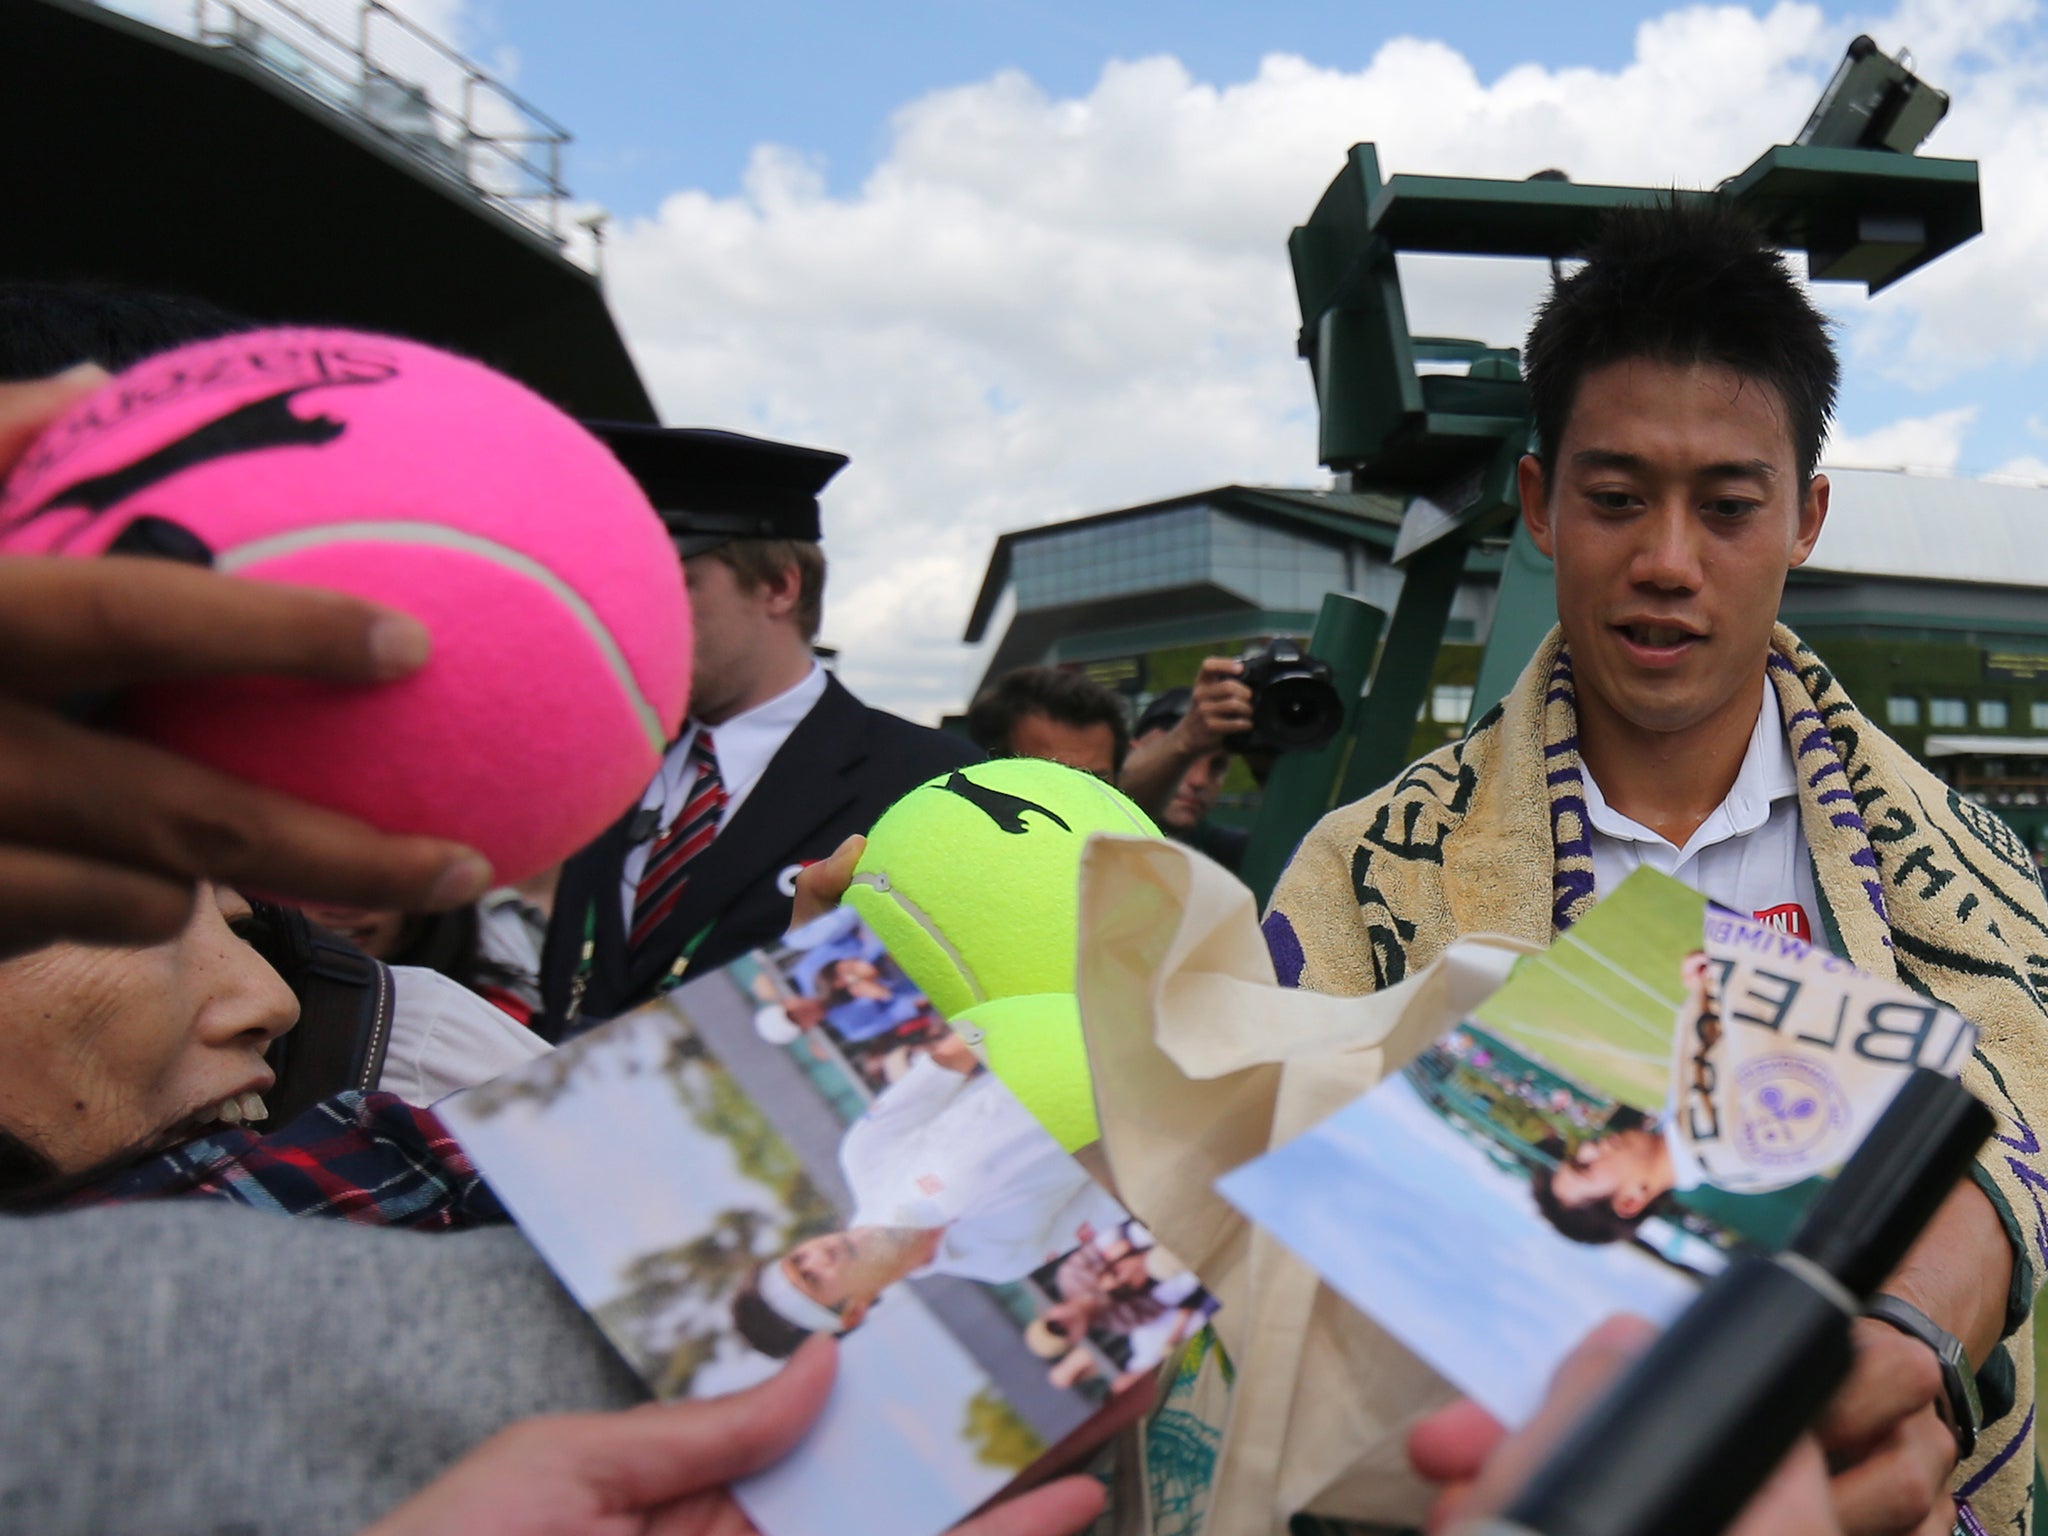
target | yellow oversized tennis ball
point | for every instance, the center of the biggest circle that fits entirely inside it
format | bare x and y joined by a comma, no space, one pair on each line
972,879
1033,1043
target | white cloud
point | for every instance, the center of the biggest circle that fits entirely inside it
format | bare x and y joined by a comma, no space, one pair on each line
2027,469
1926,443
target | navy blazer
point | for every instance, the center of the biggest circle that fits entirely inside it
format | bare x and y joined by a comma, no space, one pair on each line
841,767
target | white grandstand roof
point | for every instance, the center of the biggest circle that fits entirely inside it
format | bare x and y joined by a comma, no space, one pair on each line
1934,528
1977,746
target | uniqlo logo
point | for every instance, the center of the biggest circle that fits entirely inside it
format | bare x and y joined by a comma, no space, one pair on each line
1787,917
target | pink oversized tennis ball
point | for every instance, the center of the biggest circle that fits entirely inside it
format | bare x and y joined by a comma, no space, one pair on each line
424,481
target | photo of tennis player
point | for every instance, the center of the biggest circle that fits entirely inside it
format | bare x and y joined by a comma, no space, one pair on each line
1596,1171
714,1192
1118,1298
833,986
1666,1085
1634,1167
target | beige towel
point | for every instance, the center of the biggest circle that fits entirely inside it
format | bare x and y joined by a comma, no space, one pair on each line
1202,1061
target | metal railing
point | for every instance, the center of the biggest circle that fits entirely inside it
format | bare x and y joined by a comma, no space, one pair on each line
391,74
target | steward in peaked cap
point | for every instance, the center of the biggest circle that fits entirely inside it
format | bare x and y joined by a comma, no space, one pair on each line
831,767
711,486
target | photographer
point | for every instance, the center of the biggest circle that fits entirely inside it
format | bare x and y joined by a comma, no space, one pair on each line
1180,753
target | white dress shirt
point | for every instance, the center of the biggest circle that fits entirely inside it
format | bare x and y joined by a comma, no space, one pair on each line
1749,855
938,1150
744,746
510,932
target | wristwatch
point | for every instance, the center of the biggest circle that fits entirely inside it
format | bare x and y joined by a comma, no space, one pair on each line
1959,1381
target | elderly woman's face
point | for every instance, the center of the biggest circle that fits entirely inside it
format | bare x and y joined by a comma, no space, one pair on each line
105,1049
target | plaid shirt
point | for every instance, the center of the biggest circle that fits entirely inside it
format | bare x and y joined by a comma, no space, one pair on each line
364,1157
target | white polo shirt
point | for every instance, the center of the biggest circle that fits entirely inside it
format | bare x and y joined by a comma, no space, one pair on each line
1749,855
938,1150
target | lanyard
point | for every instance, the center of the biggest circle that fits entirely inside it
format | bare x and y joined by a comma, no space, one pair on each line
587,957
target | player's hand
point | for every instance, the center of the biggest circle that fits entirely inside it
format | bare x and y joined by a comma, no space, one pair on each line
819,886
662,1470
1221,706
1479,1467
1890,1454
103,838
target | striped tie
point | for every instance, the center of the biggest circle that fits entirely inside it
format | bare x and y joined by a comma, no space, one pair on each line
668,861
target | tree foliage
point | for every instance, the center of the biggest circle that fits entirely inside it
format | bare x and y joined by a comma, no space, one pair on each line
998,1434
670,1316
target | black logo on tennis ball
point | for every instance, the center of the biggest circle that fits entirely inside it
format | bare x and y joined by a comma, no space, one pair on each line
265,423
1006,811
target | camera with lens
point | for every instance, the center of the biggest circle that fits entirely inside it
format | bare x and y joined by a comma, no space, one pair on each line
1295,707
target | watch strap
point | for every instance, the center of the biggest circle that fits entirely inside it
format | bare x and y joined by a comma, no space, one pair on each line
1958,1379
1997,1385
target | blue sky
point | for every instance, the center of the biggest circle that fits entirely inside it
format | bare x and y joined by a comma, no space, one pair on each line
661,96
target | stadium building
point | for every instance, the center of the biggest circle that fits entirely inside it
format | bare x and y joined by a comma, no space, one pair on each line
314,161
1928,596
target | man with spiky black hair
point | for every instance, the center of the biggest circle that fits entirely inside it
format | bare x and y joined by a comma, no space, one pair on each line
1682,386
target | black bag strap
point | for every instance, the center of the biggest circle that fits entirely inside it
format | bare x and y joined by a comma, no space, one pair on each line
345,1011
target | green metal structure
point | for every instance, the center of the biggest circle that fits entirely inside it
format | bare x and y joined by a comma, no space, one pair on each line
1849,194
